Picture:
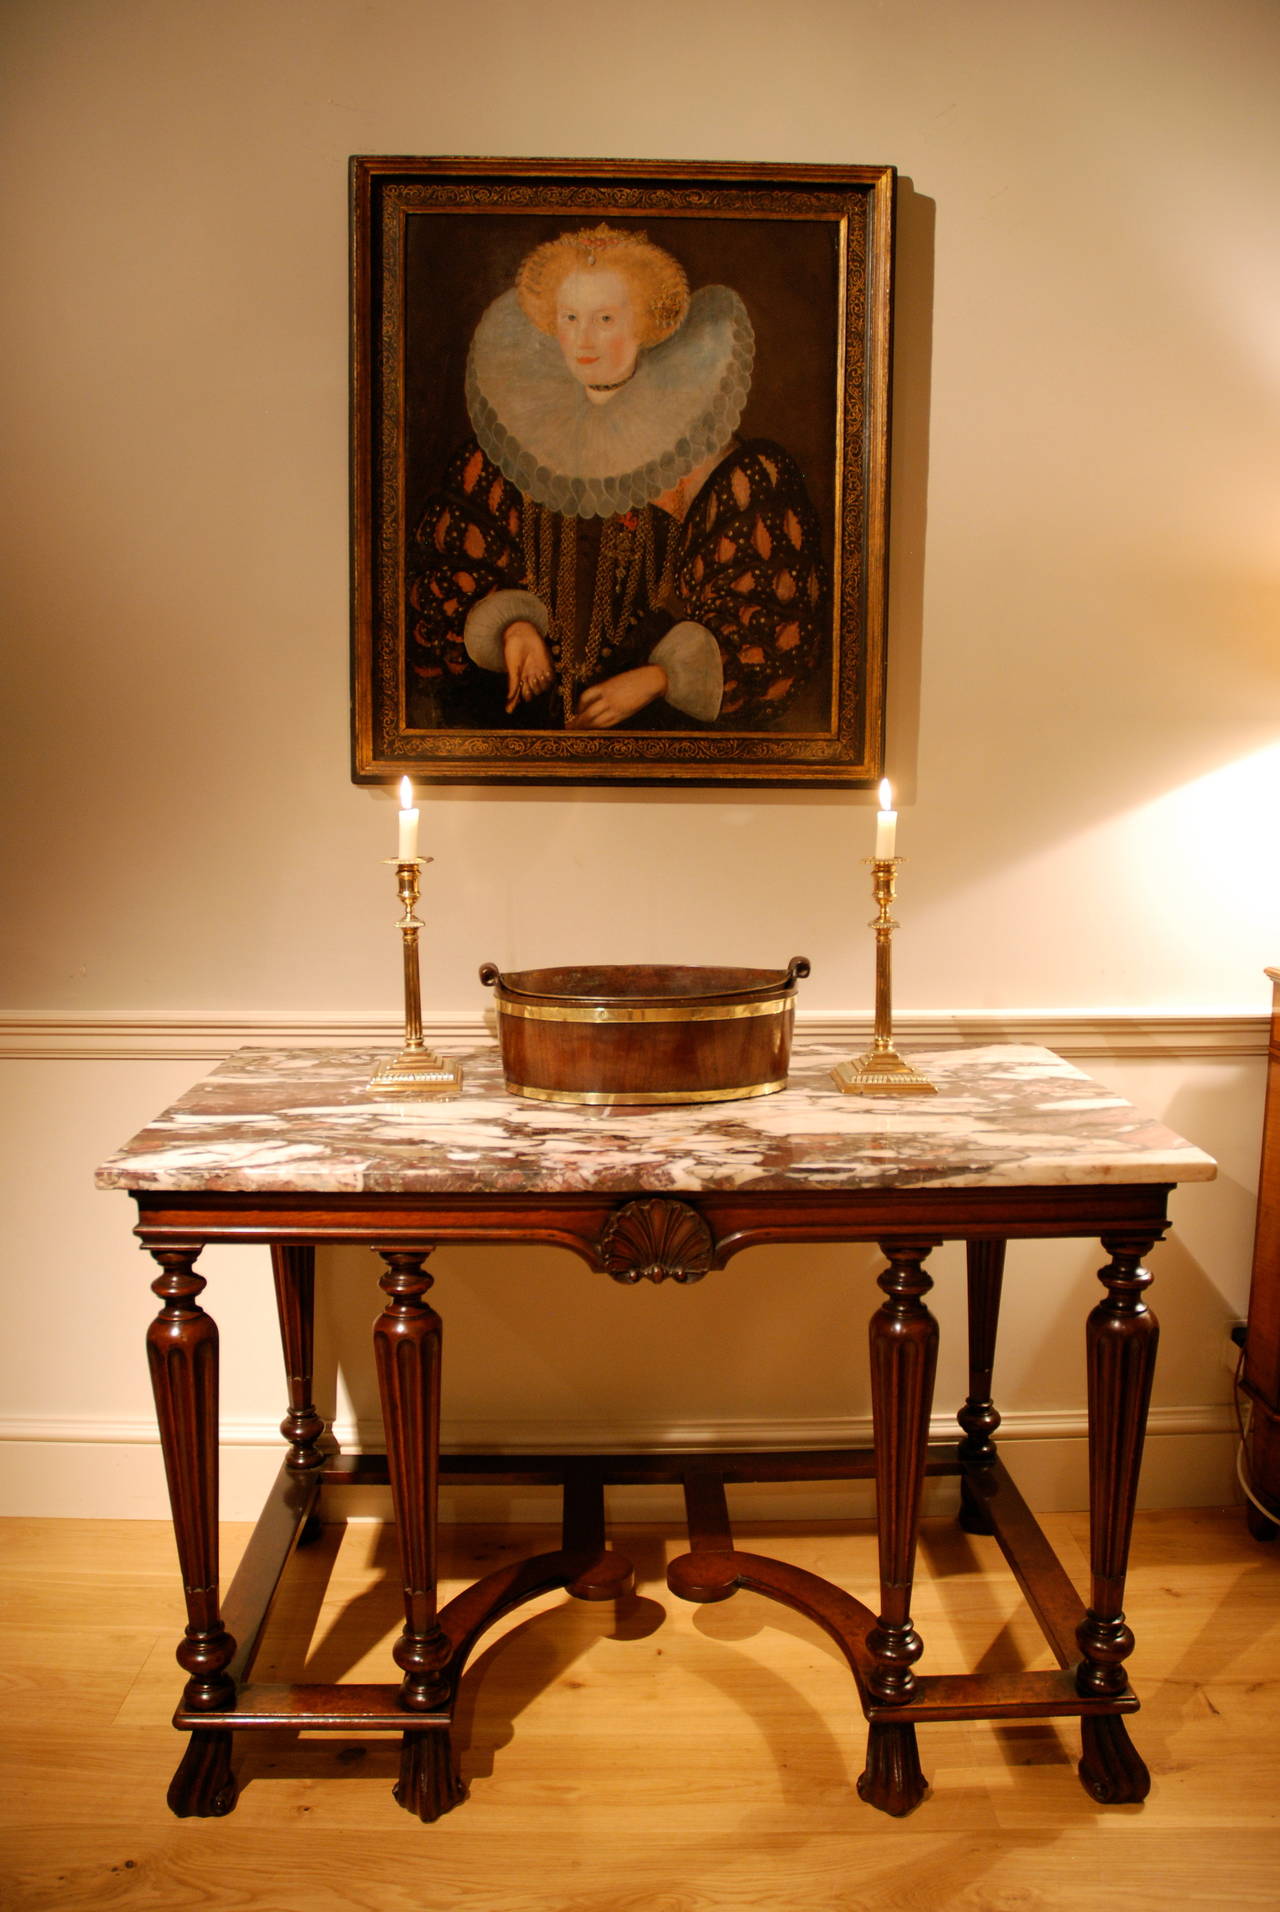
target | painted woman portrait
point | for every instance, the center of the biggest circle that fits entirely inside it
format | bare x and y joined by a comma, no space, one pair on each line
604,550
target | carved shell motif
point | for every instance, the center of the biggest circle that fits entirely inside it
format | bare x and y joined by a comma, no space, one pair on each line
656,1240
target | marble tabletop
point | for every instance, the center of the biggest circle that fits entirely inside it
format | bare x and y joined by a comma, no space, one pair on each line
304,1121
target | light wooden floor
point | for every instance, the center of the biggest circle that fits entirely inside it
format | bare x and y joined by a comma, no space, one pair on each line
663,1758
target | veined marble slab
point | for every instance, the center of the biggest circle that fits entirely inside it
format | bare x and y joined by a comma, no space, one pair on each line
303,1120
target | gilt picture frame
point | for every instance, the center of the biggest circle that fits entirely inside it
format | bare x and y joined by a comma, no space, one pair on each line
620,471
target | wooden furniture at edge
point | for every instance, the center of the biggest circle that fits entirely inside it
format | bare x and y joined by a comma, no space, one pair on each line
1261,1373
655,1235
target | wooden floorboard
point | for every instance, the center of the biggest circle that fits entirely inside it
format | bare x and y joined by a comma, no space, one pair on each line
654,1758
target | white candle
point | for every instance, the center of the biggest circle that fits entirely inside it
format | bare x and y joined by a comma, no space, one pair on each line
408,823
886,823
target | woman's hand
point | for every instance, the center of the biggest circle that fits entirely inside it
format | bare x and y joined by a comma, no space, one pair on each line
528,663
607,704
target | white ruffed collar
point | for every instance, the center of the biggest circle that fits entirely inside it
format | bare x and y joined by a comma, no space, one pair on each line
536,423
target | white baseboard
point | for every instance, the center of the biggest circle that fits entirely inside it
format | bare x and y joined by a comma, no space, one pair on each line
75,1470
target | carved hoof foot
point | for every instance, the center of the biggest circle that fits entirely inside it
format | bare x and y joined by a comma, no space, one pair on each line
430,1784
1111,1770
893,1781
202,1787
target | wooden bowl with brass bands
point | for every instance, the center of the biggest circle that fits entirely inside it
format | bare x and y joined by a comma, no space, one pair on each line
645,1034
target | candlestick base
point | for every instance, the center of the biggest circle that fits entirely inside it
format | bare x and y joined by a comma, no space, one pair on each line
880,1072
417,1073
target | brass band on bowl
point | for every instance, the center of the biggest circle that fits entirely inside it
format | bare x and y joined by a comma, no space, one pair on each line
636,1097
609,1012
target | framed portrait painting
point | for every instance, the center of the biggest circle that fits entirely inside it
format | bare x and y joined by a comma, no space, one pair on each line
620,441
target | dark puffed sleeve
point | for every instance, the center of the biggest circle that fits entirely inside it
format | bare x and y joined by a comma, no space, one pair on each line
751,570
467,544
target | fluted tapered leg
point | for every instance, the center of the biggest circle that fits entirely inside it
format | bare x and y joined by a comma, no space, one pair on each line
1121,1341
406,1339
904,1347
182,1353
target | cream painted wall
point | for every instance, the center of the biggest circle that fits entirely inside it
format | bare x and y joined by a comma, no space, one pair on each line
1084,708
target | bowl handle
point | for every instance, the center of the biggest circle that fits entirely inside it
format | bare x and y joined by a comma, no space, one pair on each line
490,974
796,969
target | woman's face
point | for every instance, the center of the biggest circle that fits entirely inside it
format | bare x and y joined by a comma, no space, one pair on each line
596,327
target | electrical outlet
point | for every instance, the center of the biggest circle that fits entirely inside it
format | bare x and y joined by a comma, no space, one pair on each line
1233,1345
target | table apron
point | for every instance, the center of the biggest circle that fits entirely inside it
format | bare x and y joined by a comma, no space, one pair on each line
737,1219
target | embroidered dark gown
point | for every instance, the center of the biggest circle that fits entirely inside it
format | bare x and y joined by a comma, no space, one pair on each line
745,564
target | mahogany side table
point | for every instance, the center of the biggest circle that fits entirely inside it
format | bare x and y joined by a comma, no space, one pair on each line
288,1149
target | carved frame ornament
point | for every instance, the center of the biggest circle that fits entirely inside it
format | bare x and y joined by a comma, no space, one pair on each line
807,251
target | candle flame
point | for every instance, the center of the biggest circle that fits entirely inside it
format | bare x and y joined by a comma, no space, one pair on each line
886,794
406,794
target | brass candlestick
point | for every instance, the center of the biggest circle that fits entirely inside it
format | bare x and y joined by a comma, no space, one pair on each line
415,1071
881,1071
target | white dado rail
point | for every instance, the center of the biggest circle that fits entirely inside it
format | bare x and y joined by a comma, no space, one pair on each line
1095,1032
